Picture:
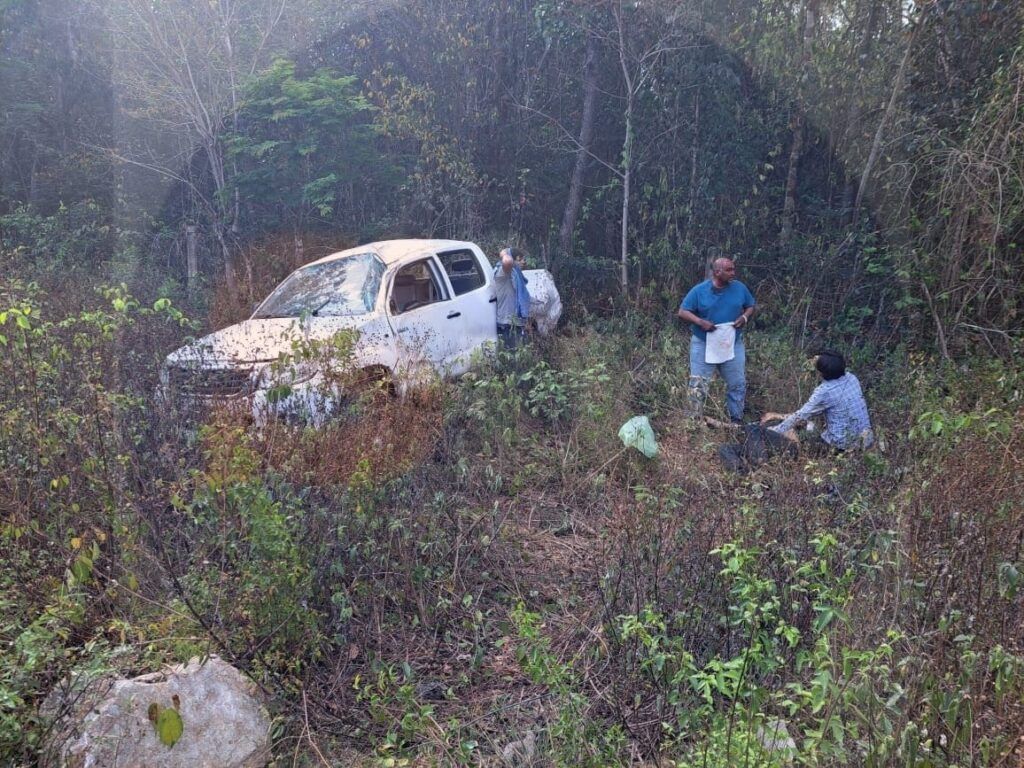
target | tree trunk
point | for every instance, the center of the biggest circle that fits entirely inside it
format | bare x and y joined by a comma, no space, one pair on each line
233,86
65,85
191,258
691,203
792,176
852,121
627,154
796,150
890,110
33,178
215,158
627,167
575,199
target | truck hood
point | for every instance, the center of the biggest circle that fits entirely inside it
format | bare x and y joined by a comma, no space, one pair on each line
259,340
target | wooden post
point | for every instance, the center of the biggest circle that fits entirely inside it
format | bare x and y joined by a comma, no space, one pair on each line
191,257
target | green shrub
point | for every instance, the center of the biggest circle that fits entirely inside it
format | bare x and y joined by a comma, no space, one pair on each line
75,236
248,575
72,419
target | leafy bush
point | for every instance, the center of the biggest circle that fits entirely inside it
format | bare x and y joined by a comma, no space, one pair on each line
306,148
72,418
248,577
75,236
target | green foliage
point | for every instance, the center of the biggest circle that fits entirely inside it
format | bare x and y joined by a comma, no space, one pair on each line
57,120
391,703
248,569
167,723
306,147
555,395
79,235
68,414
569,388
575,739
39,649
832,698
70,427
425,86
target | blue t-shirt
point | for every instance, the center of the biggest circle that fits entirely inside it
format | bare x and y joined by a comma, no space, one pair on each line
718,306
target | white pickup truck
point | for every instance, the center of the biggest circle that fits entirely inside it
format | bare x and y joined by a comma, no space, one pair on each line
415,309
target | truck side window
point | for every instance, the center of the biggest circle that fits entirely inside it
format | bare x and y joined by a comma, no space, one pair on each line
463,270
414,286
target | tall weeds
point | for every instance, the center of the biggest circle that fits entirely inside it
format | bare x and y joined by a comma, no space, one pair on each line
429,576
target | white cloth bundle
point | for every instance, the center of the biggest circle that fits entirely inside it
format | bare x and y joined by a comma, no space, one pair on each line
720,346
545,303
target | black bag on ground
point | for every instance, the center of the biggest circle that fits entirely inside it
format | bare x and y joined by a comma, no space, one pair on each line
757,444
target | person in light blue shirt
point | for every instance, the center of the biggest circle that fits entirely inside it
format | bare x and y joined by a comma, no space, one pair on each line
840,399
719,300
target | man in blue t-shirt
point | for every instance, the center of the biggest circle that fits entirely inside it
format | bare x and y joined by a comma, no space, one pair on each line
721,300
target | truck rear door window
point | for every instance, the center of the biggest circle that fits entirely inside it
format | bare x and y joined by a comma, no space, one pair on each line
463,269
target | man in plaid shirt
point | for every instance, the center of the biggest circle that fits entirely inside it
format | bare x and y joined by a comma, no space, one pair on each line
840,399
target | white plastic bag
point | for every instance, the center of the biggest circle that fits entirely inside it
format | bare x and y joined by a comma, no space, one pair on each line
545,303
637,433
720,346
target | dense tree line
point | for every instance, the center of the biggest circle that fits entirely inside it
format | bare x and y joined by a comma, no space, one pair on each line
871,144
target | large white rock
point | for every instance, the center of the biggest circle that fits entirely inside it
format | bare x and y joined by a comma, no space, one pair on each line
224,723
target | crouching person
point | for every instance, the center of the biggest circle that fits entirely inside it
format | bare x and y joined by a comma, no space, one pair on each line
840,400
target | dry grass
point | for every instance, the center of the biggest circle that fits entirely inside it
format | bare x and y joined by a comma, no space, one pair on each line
389,438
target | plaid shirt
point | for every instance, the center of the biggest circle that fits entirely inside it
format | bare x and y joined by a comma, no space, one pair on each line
846,413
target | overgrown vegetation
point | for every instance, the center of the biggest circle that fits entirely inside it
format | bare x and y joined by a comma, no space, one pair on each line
509,569
481,568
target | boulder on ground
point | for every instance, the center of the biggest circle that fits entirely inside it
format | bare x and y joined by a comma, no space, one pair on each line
521,753
774,736
205,714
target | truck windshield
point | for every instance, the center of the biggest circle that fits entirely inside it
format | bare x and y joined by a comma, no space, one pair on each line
348,286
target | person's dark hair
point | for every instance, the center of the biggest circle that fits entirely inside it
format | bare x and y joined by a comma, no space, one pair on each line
830,365
515,253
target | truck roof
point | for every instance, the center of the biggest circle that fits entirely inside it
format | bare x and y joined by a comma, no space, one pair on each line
391,251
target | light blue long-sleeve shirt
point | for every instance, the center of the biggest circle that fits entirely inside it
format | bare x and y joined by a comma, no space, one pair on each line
846,413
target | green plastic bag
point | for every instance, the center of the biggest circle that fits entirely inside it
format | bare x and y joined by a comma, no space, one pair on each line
637,433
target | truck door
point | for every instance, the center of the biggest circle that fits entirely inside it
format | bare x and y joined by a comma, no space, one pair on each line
474,301
424,318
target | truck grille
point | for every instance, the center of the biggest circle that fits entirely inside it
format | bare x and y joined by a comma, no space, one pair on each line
213,383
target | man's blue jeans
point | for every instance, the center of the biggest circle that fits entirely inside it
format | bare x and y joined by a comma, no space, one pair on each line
733,374
511,336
